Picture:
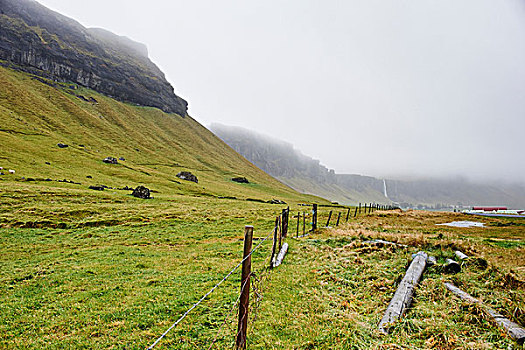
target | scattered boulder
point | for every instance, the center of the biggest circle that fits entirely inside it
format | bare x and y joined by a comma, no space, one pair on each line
110,160
89,176
141,192
255,200
97,187
70,182
186,175
81,146
47,163
276,201
11,171
62,145
241,180
121,158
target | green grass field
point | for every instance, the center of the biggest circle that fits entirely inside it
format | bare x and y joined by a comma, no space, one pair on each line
120,286
84,269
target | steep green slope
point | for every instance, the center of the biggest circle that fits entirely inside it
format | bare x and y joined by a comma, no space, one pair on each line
35,117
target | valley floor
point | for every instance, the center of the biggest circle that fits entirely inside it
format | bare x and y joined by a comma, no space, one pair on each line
120,271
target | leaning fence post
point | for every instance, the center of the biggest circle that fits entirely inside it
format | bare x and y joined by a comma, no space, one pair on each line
338,218
245,289
355,213
347,214
329,217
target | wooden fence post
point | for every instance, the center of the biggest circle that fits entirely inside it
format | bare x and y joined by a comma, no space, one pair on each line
284,223
329,217
298,219
359,207
280,228
287,221
314,217
245,289
338,218
304,223
355,213
347,214
274,244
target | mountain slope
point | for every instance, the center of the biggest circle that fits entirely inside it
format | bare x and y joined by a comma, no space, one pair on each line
35,117
307,175
46,43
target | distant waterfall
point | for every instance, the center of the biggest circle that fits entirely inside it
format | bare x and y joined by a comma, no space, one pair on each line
384,188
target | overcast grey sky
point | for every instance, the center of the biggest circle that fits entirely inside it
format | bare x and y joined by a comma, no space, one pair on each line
383,88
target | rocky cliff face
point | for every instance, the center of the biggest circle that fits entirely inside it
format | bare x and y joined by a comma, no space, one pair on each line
48,44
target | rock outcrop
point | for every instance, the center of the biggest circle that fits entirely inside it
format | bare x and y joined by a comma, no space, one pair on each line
241,180
141,192
45,43
110,160
186,175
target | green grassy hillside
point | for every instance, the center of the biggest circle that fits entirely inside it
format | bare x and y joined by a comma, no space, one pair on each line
35,117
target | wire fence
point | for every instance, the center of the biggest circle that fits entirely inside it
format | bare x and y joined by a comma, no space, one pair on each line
261,276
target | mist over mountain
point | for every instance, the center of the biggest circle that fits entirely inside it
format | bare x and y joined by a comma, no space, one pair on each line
308,175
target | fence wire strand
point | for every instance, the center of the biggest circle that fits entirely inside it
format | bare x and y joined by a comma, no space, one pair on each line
235,305
207,294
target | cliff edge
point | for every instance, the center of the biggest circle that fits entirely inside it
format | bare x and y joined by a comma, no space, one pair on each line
48,44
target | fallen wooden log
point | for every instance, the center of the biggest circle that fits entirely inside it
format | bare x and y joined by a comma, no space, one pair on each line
280,256
460,255
452,266
380,242
403,296
513,329
431,260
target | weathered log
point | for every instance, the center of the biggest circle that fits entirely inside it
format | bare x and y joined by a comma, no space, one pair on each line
403,296
452,266
460,255
280,256
380,242
431,260
513,329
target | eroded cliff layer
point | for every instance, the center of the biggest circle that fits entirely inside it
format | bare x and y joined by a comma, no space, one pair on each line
46,43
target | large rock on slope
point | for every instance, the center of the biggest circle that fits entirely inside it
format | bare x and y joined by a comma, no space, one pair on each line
48,44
